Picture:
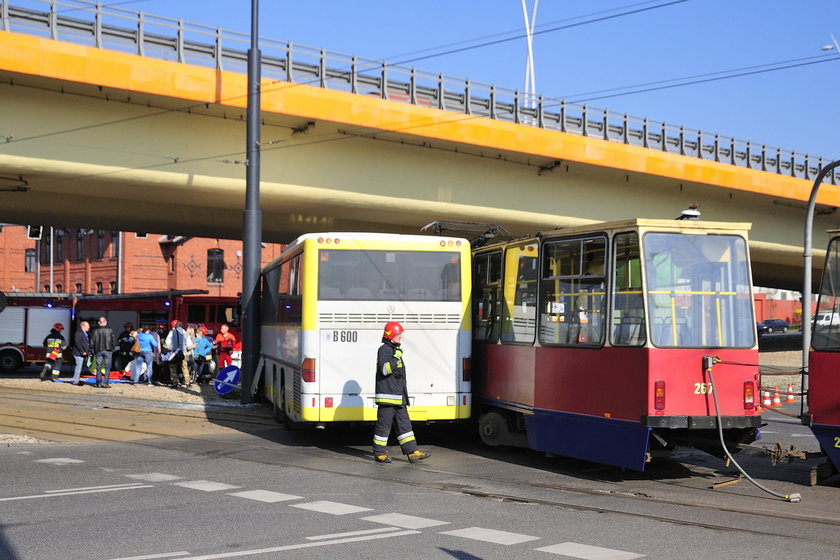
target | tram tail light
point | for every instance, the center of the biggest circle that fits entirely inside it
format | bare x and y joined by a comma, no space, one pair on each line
749,395
308,370
659,395
466,372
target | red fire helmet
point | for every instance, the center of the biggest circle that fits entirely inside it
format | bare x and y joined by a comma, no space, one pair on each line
392,329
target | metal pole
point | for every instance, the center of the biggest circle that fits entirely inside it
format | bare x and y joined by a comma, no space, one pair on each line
52,255
252,218
806,283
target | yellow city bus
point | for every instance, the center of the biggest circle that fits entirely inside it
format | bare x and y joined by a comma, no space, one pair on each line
325,302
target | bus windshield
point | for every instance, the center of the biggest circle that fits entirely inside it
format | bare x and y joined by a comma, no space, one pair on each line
389,275
698,291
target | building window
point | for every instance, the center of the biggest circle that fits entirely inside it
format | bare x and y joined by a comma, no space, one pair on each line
78,288
80,246
215,266
29,263
171,264
113,287
59,288
115,244
100,244
45,249
99,287
59,246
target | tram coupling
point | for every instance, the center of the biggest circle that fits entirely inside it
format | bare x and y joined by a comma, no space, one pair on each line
818,473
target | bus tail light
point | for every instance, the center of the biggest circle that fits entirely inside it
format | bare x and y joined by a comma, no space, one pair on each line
466,372
659,395
749,395
308,370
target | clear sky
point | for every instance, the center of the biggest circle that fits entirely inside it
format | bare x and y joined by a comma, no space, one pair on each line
603,45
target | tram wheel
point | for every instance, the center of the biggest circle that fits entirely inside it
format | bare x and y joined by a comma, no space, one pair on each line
493,429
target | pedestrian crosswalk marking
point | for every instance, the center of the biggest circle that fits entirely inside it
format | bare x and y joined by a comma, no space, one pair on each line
154,477
265,496
206,485
333,508
405,521
490,535
587,552
60,461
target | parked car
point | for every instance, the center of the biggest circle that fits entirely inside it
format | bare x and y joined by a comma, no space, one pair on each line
760,328
774,325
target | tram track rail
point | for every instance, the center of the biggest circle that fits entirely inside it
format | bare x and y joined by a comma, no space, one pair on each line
267,455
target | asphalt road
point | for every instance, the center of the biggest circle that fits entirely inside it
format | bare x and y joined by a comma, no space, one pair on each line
133,481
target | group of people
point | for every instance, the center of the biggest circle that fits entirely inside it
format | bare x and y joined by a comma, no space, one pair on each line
179,357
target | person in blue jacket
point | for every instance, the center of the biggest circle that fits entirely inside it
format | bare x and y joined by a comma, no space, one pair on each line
202,353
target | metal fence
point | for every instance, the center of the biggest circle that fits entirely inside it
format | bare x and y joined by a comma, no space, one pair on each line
129,31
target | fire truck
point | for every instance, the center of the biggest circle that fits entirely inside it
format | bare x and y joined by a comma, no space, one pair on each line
26,318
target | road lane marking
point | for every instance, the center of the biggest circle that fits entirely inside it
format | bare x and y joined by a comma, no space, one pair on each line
59,461
333,508
587,552
73,490
74,493
265,496
205,485
302,545
405,521
353,533
490,535
154,477
153,556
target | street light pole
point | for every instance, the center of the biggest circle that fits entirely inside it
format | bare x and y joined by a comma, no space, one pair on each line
252,218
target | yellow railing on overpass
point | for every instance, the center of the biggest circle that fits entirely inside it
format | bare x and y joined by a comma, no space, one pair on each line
114,28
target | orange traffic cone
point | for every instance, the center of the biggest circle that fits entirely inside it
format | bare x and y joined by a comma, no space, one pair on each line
766,402
777,400
790,397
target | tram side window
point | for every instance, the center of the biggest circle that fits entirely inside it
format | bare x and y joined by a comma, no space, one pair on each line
628,311
289,300
487,304
827,319
519,319
573,289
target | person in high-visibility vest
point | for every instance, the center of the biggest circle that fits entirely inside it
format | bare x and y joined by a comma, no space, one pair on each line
392,399
54,344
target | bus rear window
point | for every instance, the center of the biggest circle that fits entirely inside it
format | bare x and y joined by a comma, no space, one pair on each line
389,275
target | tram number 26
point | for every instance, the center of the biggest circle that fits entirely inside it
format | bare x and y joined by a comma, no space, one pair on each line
702,388
836,441
345,336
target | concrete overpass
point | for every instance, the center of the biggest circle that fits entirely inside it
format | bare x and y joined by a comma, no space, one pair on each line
153,140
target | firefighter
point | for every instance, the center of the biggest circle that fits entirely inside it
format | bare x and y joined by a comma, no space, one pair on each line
392,399
55,344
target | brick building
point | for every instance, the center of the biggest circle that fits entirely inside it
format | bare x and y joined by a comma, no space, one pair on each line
108,262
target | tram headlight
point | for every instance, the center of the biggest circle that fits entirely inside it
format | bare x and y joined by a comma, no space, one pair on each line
659,395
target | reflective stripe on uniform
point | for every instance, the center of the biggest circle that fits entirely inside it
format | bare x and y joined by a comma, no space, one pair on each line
379,440
405,438
388,399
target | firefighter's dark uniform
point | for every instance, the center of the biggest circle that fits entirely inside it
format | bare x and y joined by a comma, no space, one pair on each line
392,400
54,344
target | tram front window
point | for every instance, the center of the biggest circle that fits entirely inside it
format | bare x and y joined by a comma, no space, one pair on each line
698,291
827,319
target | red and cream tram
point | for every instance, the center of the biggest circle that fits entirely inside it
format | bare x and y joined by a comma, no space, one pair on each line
589,341
824,360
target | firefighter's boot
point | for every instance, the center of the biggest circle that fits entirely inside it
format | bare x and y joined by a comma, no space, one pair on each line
46,373
418,455
383,458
